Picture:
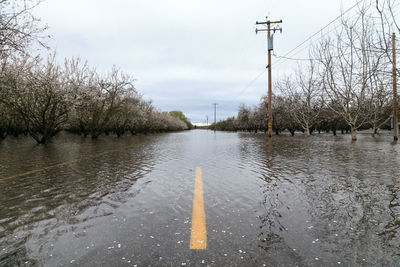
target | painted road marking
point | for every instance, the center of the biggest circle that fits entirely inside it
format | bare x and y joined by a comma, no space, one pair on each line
63,164
198,235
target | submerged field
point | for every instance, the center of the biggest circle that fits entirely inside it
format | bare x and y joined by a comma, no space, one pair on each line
322,200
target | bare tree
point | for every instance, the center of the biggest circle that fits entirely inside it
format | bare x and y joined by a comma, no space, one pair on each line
280,114
389,16
258,116
38,95
305,95
19,28
243,117
99,100
347,70
380,98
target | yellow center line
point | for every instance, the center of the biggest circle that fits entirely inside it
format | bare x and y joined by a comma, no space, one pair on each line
62,164
198,235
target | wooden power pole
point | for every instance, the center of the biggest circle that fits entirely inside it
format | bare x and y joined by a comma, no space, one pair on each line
270,48
395,104
215,116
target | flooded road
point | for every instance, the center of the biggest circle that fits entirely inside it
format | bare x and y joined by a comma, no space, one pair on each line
319,201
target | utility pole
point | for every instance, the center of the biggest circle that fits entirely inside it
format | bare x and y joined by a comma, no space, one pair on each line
215,116
207,120
270,48
395,105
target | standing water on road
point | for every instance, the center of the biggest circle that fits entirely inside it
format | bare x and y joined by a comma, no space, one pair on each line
301,201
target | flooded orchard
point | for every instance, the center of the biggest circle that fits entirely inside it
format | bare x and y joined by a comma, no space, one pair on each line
322,201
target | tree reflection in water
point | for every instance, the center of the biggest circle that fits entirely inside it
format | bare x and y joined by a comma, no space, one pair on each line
315,212
67,198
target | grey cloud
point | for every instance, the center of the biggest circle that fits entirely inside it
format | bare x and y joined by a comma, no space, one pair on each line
184,54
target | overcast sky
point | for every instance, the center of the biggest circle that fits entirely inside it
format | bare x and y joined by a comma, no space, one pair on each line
186,54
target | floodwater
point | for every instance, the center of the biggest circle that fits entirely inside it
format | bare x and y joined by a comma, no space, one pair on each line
319,201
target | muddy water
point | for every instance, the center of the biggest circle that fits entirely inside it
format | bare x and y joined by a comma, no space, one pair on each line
122,202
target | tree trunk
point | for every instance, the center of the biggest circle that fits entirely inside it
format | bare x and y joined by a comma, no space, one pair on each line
373,131
307,131
3,135
353,134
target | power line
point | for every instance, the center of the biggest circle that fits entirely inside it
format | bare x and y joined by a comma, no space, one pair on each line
320,30
337,56
249,84
281,61
285,56
290,58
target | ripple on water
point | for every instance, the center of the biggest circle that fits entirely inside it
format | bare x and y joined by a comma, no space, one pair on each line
274,201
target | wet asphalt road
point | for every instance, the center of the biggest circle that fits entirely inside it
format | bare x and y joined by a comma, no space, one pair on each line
319,201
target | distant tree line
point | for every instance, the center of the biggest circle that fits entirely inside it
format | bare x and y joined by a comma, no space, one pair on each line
179,114
346,85
40,97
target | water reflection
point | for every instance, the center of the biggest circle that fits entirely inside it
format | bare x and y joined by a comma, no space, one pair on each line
282,201
326,213
34,205
269,141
